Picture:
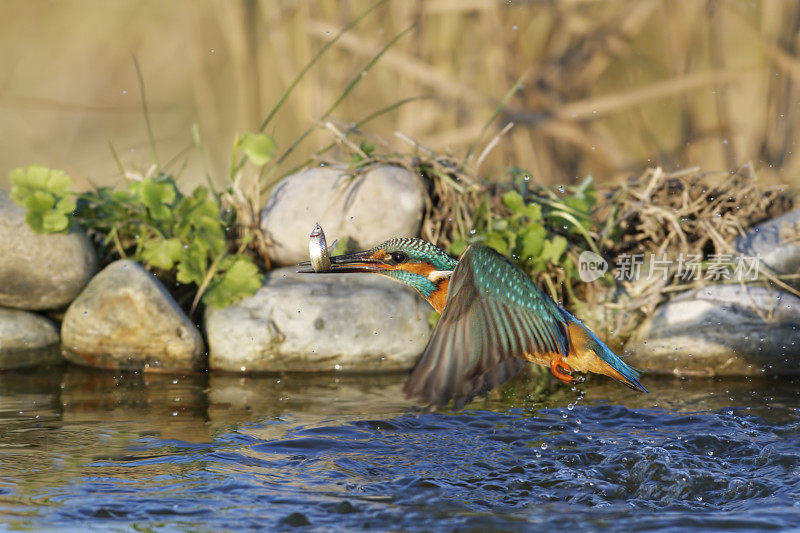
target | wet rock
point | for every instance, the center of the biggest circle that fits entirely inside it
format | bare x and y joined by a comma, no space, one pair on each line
777,241
27,339
721,330
295,520
125,319
40,271
318,322
370,208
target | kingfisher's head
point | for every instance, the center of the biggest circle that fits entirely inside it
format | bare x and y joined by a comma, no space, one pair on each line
415,262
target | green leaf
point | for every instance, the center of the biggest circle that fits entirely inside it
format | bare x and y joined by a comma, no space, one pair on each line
240,280
554,248
457,247
32,176
157,193
125,197
514,201
40,201
500,224
160,212
66,205
496,241
163,253
258,147
53,222
533,212
532,241
59,183
46,195
197,218
211,233
192,265
34,220
38,177
578,204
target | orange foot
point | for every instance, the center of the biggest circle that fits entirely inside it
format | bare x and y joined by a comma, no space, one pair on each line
557,363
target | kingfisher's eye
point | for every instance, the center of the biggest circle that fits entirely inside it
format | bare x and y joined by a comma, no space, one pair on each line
399,257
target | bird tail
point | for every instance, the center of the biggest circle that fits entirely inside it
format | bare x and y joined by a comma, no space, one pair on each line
587,353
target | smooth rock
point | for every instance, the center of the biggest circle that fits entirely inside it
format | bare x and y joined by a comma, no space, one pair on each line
40,271
320,322
721,330
777,241
125,319
27,339
385,202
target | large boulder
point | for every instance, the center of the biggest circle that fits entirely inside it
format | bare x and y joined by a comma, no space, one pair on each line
40,271
126,320
777,242
721,330
385,202
27,339
320,322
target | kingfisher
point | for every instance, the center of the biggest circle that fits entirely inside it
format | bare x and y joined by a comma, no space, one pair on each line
494,319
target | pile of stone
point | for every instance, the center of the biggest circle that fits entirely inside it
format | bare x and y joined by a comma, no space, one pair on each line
123,318
731,329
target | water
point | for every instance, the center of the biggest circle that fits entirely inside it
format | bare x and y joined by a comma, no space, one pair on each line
80,447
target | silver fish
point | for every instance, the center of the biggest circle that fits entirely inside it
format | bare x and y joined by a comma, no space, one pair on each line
318,250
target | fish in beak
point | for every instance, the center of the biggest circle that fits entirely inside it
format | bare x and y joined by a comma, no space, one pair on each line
348,263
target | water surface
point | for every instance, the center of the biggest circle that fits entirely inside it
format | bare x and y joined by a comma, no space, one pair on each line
159,452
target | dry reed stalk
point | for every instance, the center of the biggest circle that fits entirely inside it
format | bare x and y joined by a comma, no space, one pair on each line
243,196
689,213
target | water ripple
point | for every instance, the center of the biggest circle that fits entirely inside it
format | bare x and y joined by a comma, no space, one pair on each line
512,466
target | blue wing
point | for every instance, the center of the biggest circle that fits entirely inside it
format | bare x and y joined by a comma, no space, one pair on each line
493,316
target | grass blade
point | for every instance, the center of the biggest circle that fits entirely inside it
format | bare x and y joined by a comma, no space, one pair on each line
380,112
117,159
497,110
311,63
348,89
146,112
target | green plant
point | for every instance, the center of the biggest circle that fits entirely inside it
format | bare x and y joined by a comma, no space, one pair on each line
181,237
521,234
45,193
535,226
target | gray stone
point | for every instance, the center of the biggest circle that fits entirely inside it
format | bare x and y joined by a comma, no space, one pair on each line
125,319
721,330
777,241
320,322
40,271
385,202
27,339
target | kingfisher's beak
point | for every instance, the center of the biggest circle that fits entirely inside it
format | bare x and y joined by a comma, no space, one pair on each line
347,263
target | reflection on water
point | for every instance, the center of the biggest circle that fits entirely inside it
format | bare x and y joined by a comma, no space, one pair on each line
222,451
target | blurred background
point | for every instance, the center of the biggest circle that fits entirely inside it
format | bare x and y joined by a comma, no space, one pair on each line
610,87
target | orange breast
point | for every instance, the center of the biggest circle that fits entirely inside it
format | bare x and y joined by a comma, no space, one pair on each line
439,297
